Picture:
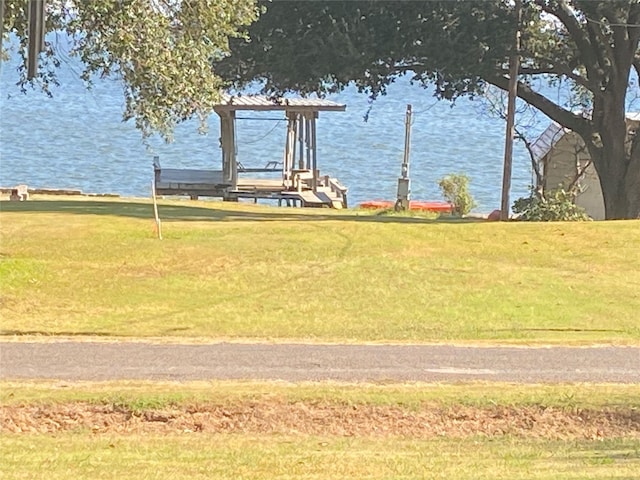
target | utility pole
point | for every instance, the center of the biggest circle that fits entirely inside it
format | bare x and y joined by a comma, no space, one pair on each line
404,183
37,10
514,66
1,23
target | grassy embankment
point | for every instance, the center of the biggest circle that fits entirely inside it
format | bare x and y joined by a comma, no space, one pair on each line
254,430
237,271
72,267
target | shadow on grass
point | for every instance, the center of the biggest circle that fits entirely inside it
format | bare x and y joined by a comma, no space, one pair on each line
560,329
40,333
86,333
217,212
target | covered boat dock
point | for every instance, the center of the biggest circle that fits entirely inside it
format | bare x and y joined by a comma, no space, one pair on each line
297,177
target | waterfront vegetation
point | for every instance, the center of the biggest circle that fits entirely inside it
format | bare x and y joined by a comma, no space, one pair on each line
223,270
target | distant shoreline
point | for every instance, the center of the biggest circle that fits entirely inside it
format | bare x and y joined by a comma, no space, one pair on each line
59,191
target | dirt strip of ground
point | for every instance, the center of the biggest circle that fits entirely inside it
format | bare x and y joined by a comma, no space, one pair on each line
325,419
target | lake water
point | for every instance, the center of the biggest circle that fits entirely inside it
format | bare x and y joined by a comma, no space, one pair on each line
77,140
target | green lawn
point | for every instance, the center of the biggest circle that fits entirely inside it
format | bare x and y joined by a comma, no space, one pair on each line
94,267
77,266
88,456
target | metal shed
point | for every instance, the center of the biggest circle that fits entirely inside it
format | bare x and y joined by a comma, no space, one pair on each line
563,158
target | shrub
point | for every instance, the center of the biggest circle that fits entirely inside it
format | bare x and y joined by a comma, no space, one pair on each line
554,206
455,189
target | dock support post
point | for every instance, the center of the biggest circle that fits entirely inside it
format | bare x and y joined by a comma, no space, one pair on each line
307,142
314,153
228,144
301,141
290,150
232,150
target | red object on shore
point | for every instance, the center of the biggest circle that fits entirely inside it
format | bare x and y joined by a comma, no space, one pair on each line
438,207
494,216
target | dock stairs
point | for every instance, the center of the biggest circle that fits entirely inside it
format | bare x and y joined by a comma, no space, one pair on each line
328,192
320,199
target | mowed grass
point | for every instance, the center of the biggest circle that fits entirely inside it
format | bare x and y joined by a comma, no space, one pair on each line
85,454
140,395
94,267
89,456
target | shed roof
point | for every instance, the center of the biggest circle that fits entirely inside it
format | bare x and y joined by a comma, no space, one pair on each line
547,140
264,103
554,132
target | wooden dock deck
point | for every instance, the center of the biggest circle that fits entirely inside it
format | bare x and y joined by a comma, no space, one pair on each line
196,183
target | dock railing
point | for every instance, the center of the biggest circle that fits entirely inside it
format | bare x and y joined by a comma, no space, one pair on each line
337,188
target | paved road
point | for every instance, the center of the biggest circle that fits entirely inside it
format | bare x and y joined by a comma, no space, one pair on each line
67,360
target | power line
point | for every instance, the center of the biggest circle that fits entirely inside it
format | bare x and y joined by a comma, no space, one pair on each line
607,24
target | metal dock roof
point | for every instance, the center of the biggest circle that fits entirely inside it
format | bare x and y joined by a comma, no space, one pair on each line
265,103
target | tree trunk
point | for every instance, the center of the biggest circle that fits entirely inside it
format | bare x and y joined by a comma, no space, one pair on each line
616,157
620,201
632,180
620,181
620,186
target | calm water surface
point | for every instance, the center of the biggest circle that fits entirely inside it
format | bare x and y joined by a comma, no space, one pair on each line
77,140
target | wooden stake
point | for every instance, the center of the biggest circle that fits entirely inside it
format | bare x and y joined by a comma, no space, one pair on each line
514,66
155,211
